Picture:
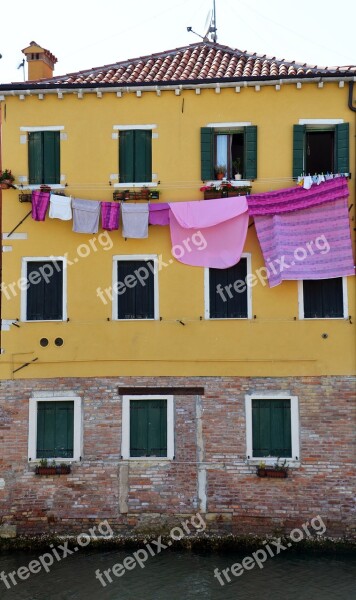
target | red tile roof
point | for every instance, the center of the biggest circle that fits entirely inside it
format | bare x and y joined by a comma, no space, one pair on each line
199,62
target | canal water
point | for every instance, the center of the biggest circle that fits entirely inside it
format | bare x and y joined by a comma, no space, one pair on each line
181,575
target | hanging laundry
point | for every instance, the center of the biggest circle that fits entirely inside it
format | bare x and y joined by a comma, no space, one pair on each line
209,234
60,207
134,220
305,243
40,202
296,198
158,214
110,212
308,182
85,215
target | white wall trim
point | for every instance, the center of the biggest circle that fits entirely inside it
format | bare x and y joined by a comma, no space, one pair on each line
24,287
294,409
230,124
320,121
301,304
44,128
14,236
125,441
143,257
247,256
78,428
128,127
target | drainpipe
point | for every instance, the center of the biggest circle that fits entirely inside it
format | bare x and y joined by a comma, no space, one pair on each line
0,222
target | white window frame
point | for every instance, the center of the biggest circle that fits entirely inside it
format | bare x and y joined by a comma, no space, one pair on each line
294,412
144,257
77,428
125,441
246,255
301,304
25,260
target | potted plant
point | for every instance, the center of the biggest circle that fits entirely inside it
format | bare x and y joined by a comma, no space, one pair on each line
236,164
277,470
6,179
46,469
63,469
220,171
210,192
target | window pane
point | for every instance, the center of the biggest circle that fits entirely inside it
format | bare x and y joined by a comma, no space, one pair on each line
55,429
45,292
271,428
323,298
137,299
228,292
148,428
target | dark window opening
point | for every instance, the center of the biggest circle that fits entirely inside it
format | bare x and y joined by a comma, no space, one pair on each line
45,291
323,298
135,297
229,152
319,155
228,292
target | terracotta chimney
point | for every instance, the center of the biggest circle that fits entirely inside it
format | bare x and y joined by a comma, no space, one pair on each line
40,62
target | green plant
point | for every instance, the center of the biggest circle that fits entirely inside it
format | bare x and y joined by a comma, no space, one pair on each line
262,464
6,175
220,169
53,463
280,467
43,462
236,164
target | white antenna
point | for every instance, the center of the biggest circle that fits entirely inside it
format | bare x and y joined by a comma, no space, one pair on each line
209,27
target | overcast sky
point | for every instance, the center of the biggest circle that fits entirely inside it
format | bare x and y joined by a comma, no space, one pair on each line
84,34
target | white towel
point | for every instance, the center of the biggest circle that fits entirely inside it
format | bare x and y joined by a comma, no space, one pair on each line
60,207
134,220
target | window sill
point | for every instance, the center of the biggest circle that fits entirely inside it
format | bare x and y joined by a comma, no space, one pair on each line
270,462
324,318
36,186
134,320
233,182
136,184
148,458
228,318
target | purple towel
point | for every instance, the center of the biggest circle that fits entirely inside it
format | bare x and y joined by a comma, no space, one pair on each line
297,198
110,215
158,214
40,203
314,243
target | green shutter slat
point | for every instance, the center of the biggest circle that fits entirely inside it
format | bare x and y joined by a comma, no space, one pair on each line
207,153
342,148
143,155
126,156
51,157
298,150
157,427
35,153
250,152
138,427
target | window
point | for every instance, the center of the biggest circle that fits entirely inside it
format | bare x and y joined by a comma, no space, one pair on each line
44,157
323,298
135,156
234,147
227,292
320,148
135,287
147,427
54,427
272,427
43,289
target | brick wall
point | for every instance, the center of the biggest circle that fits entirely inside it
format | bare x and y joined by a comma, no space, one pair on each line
145,496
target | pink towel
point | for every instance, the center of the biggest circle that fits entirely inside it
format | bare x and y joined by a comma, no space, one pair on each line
313,243
297,198
158,214
110,215
40,203
209,234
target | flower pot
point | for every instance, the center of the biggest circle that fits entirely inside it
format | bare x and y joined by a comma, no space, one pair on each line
63,469
154,195
220,176
46,471
6,184
238,176
281,473
261,472
212,194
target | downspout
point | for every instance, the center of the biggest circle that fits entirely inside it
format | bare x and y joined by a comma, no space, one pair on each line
0,225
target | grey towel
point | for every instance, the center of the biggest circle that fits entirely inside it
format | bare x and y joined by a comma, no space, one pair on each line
85,215
134,220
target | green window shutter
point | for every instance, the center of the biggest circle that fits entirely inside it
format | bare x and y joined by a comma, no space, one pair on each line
51,157
148,428
35,153
55,429
207,153
126,156
143,155
298,150
271,428
250,151
342,148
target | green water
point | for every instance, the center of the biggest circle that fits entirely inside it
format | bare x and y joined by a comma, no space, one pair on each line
181,575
